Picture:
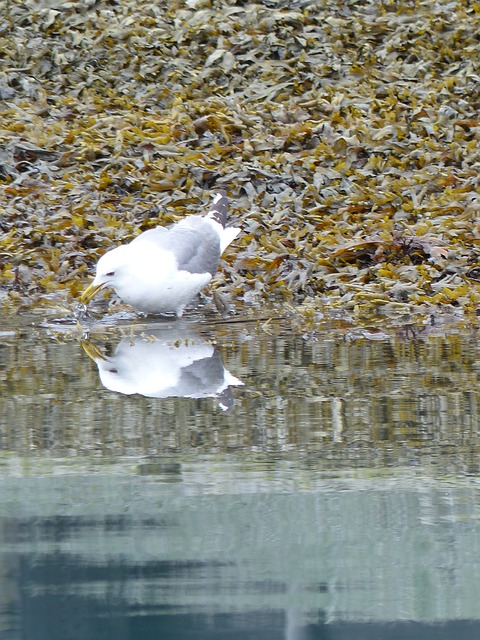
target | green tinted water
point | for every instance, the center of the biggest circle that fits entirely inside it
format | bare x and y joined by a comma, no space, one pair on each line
242,480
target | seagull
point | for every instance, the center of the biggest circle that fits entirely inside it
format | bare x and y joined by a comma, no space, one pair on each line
164,268
165,362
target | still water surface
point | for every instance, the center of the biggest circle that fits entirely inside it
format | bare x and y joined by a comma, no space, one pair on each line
239,480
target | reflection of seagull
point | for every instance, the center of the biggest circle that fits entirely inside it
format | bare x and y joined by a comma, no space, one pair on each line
157,366
162,269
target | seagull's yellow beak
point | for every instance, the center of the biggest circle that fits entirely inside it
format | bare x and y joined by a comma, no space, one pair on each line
92,350
90,292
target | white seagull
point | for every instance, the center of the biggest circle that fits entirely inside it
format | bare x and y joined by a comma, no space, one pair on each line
165,362
164,268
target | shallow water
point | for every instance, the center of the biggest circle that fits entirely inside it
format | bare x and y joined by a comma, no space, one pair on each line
197,479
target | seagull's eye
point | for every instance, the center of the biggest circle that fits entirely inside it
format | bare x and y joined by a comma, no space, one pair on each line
110,273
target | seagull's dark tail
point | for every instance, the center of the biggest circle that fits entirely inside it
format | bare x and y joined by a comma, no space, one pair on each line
218,210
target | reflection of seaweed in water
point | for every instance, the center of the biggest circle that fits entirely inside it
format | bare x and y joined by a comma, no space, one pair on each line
333,400
297,515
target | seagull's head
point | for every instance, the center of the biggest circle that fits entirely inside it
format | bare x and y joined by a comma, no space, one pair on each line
109,272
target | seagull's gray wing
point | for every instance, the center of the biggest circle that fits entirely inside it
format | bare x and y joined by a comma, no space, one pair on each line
194,242
203,377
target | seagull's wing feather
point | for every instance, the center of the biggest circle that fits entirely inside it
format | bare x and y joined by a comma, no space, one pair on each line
158,236
194,243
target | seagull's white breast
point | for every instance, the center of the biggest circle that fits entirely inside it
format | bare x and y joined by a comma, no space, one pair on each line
152,282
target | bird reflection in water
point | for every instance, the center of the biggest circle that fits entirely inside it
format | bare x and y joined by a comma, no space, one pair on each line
165,363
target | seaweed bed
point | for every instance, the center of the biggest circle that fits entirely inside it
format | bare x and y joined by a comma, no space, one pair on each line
346,135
